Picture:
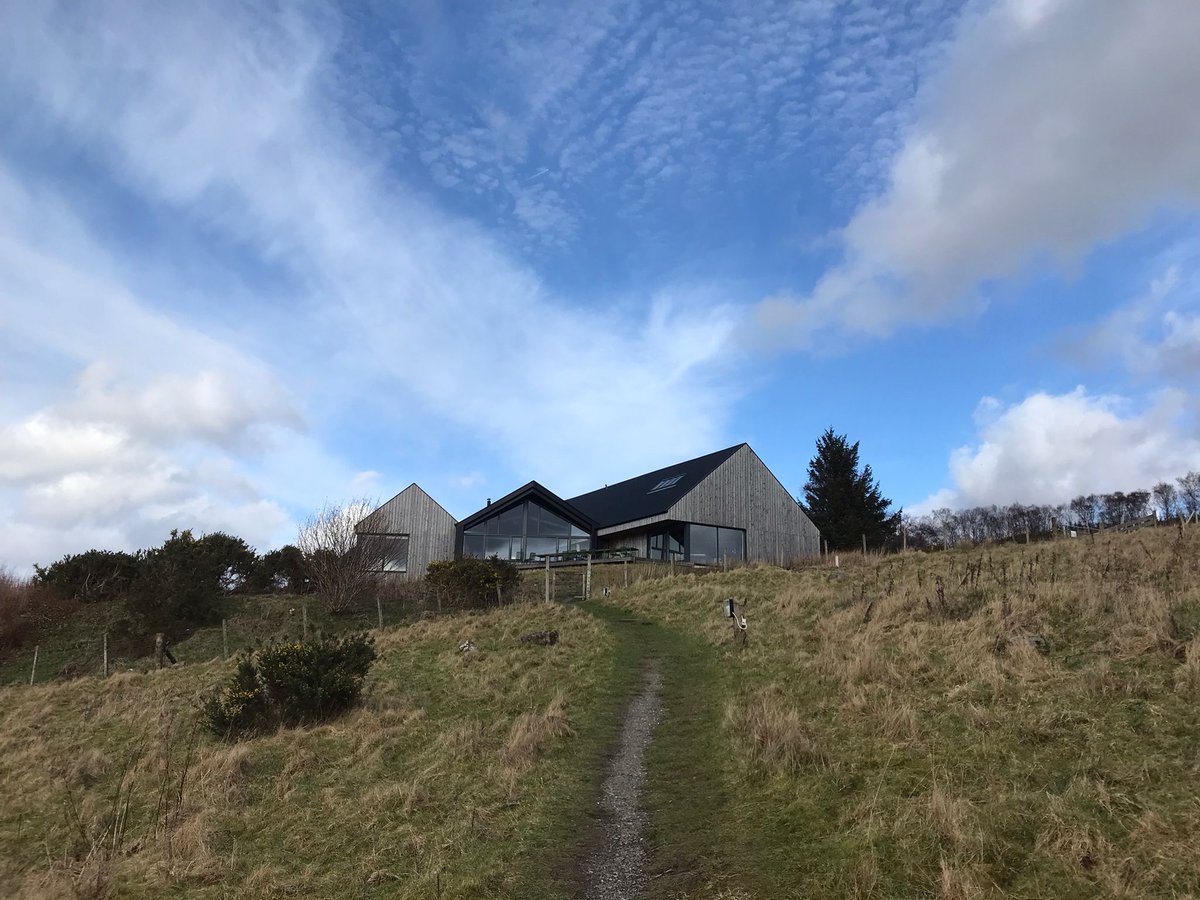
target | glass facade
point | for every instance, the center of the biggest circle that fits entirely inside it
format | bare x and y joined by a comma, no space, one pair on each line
703,544
669,543
385,552
525,531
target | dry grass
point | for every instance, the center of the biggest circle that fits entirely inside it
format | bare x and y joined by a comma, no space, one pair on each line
1007,720
431,780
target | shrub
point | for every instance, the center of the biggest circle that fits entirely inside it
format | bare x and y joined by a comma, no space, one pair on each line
182,582
28,611
90,577
469,582
279,570
290,684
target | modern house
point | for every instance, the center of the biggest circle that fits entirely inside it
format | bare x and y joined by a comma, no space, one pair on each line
406,534
722,507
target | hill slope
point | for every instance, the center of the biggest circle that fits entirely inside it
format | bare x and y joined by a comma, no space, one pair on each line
1007,721
463,772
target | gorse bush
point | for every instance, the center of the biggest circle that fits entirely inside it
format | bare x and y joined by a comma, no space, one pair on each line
290,684
93,576
468,583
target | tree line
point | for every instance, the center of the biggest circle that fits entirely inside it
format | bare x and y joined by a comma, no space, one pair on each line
1087,512
845,502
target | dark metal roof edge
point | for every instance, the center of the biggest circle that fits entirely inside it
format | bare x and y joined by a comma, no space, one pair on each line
539,491
677,465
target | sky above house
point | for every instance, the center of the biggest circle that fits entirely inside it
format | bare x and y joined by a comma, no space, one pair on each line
256,257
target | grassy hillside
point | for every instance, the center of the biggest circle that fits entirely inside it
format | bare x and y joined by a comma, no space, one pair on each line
464,771
74,645
1011,721
1001,722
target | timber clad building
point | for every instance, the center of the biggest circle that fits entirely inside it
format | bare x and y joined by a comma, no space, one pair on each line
725,507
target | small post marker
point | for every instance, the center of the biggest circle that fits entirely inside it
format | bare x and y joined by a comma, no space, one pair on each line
864,545
547,583
625,569
159,646
587,591
379,609
106,654
224,639
304,620
33,671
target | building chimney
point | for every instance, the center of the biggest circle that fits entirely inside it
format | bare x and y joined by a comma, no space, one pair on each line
489,503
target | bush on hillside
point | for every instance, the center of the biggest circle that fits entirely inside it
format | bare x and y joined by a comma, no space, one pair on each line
90,577
232,556
28,611
281,571
290,684
471,583
180,583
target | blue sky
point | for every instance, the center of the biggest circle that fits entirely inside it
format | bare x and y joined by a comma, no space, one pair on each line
255,257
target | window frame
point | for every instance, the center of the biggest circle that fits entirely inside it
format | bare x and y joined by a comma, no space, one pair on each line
375,562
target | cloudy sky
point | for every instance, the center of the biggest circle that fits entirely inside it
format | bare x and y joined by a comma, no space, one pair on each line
256,256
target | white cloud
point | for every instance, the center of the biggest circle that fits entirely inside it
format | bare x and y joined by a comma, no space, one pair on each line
1049,448
1156,333
95,468
1051,128
639,102
220,119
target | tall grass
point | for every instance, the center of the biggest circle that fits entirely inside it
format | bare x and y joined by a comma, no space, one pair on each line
462,772
1003,721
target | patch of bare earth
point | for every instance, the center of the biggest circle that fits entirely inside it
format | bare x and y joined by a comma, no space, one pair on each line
615,865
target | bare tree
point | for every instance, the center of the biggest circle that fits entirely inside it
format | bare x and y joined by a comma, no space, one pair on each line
336,560
1165,496
1189,493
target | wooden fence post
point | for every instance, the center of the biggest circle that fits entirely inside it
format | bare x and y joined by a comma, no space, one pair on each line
33,671
159,644
864,545
224,640
587,585
547,579
379,609
106,654
304,620
625,569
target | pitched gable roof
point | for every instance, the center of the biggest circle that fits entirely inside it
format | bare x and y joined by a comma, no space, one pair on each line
651,494
379,515
538,493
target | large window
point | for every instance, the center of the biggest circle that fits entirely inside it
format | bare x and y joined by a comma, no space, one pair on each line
524,531
385,552
668,543
703,544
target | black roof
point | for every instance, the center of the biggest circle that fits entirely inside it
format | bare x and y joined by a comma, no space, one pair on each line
651,494
533,491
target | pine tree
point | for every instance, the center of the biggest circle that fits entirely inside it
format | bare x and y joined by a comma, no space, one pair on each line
843,501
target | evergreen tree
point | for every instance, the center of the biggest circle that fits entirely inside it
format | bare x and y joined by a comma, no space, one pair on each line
843,501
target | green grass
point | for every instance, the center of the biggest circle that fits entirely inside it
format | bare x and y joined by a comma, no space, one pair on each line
921,751
469,771
76,645
1029,732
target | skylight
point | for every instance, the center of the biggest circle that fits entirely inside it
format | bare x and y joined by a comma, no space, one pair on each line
665,483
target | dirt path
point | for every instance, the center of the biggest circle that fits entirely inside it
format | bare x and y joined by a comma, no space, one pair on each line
615,867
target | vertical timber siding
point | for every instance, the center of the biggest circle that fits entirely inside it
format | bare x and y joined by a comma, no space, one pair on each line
742,493
430,528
